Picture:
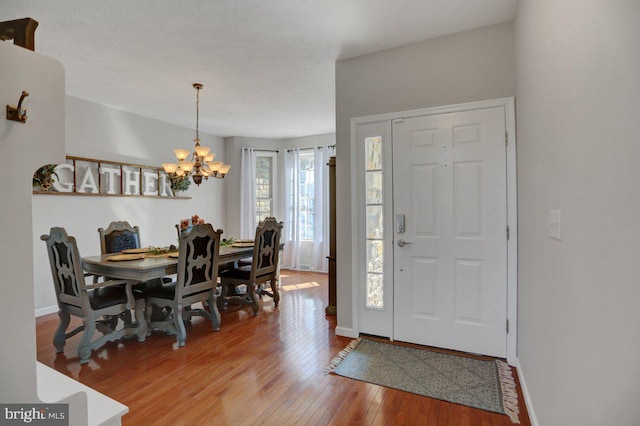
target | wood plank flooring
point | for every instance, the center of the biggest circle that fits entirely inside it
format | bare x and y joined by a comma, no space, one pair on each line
266,369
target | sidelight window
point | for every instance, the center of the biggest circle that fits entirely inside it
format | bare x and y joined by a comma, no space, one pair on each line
373,221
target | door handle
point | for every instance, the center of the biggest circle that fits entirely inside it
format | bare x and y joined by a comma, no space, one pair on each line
402,243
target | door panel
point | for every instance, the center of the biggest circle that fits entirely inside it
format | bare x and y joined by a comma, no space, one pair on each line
450,282
424,209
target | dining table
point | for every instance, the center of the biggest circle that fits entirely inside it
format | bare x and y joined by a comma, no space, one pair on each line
152,266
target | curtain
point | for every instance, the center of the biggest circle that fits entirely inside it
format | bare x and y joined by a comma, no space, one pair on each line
321,204
248,194
293,254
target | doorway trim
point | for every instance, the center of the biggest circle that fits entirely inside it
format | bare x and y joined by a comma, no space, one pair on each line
357,211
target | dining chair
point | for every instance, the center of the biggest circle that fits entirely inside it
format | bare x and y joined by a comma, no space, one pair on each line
263,269
196,282
223,266
119,236
100,305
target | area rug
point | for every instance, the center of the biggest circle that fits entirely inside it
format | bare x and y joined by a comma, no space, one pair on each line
487,385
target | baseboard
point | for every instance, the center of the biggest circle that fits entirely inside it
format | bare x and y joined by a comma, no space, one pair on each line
525,393
46,311
346,332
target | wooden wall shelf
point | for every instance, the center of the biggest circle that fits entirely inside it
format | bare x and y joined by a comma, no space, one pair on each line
103,178
82,194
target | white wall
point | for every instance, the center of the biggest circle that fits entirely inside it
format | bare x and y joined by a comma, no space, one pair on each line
578,102
100,132
469,66
23,148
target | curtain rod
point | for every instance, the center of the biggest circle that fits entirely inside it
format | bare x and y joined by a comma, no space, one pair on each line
317,147
262,150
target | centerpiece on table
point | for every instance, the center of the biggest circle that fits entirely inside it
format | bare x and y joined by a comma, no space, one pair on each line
162,250
187,224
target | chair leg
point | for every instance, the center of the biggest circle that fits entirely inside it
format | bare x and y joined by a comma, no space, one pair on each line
181,332
139,313
223,300
275,291
59,338
253,297
214,312
260,290
148,310
84,347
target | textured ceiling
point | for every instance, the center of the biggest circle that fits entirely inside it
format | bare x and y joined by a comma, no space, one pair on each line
267,65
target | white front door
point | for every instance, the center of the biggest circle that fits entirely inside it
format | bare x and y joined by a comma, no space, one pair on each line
450,275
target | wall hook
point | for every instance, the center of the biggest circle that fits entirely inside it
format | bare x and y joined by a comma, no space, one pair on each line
17,113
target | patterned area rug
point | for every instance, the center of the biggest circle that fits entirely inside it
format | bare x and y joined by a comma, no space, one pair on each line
487,385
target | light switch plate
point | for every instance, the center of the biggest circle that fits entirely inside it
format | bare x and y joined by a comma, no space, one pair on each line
553,225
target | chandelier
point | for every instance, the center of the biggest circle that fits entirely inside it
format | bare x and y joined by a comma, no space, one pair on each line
201,164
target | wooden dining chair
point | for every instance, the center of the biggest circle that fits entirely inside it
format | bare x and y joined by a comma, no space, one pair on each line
196,282
263,269
222,266
100,305
119,236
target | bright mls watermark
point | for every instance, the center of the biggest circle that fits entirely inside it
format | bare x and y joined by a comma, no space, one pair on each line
34,414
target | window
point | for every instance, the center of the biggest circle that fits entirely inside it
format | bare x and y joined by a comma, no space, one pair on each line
305,201
373,220
264,186
306,208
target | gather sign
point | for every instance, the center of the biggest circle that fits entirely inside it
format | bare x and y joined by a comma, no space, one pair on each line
87,176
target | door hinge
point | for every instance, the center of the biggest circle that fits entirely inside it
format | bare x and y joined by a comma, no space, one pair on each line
506,138
507,326
507,233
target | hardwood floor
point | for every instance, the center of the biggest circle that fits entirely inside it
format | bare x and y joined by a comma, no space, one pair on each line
266,369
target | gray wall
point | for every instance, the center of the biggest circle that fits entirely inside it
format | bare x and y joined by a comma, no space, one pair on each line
469,66
578,101
104,133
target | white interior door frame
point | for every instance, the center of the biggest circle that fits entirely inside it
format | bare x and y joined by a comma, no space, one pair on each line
357,215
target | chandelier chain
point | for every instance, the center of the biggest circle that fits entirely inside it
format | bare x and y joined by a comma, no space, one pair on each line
197,112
